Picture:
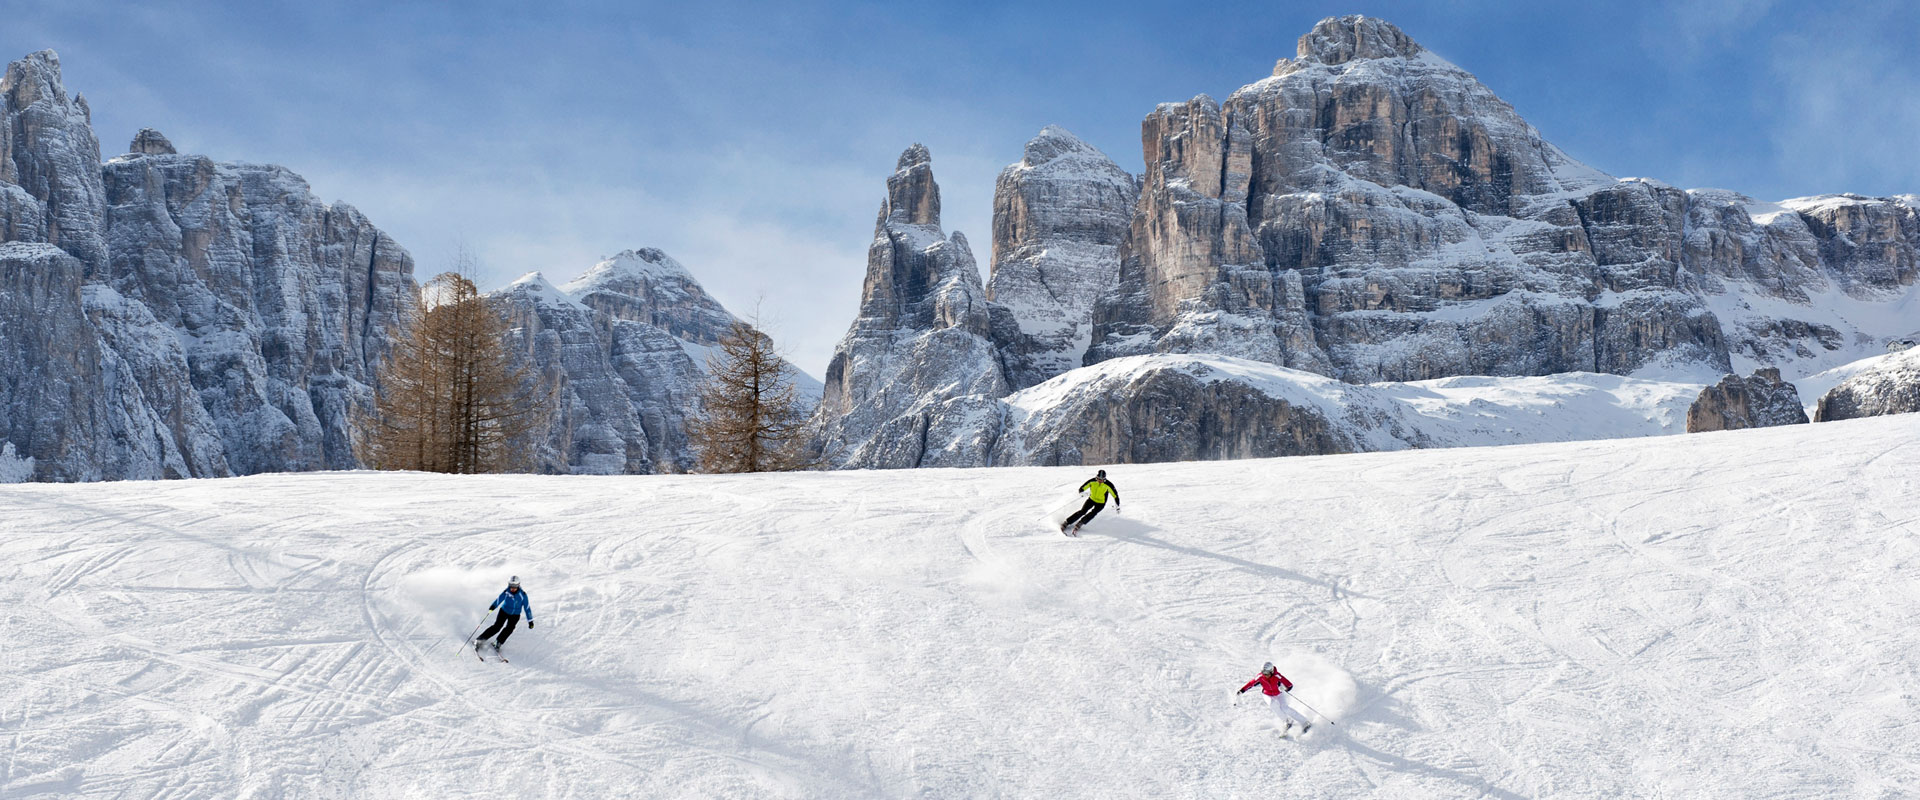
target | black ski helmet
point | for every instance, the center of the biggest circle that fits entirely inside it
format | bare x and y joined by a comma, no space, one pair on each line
1100,474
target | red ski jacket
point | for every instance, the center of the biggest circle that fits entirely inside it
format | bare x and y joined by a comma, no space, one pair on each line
1270,684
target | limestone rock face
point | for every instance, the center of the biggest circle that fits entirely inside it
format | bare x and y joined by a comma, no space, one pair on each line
1891,385
47,149
1373,212
287,301
1192,276
227,319
1059,218
921,346
66,400
595,429
1759,401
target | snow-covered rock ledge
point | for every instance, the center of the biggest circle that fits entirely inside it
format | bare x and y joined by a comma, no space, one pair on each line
1197,407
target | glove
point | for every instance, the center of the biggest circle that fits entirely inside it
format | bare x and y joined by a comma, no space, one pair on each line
1242,691
529,623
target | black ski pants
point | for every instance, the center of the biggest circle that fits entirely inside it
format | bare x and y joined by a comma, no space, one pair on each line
1086,513
503,625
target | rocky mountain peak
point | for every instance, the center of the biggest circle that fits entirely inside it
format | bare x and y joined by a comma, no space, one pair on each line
915,155
1059,216
34,78
1053,143
536,285
151,142
1337,40
629,271
912,196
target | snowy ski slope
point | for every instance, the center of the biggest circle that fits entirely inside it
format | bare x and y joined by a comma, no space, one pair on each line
1716,615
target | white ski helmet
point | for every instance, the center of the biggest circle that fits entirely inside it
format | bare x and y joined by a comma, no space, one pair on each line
1268,669
515,581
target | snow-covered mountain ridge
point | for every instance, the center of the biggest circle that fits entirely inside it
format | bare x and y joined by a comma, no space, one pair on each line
1719,615
625,347
1374,213
168,315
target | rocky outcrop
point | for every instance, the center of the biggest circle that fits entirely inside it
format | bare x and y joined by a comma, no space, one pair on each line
1059,218
149,142
1889,384
210,319
1170,407
918,361
1762,400
1164,408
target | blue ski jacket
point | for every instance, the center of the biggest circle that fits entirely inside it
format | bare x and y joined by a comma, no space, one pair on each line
515,603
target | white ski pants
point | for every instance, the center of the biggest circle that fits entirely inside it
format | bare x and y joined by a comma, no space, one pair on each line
1284,711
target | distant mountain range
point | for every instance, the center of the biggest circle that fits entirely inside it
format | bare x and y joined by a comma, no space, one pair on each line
1369,214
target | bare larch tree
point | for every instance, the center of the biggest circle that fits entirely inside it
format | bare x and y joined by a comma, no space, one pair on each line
452,397
750,417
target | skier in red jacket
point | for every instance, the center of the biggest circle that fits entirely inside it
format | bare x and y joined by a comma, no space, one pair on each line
1271,683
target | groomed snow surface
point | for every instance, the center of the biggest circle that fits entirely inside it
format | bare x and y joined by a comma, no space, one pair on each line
1714,615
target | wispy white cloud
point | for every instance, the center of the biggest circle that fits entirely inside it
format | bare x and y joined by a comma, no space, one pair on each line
1848,104
1695,28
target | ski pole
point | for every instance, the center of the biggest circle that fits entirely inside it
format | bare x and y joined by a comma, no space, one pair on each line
1296,698
476,628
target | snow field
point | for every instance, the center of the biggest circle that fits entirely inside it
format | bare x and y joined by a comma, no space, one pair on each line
1712,615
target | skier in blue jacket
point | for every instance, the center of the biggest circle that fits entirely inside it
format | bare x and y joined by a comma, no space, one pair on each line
512,603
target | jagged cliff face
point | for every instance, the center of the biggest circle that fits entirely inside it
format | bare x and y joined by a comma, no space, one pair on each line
1059,217
283,302
907,384
1370,212
167,315
1373,212
624,348
68,402
51,161
211,318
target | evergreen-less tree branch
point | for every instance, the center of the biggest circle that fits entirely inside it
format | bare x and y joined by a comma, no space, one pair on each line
452,397
751,419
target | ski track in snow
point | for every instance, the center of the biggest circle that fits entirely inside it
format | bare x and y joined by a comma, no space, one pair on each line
1713,615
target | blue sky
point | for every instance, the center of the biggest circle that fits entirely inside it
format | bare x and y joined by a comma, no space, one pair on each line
752,140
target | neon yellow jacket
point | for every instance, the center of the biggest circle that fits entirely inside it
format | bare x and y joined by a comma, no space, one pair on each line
1098,489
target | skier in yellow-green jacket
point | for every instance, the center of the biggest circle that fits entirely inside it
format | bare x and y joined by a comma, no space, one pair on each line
1097,491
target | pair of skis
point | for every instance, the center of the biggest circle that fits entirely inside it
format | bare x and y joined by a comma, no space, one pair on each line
483,656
